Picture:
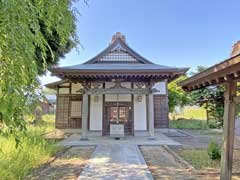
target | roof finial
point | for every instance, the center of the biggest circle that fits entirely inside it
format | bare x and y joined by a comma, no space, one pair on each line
118,35
235,49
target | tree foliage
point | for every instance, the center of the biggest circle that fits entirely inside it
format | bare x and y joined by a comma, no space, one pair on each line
176,95
211,98
29,32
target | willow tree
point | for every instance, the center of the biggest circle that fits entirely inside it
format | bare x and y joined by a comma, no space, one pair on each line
27,28
176,95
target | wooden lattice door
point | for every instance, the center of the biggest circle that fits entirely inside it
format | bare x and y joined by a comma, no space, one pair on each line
122,115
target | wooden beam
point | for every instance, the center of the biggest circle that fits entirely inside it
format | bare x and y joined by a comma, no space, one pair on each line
228,131
118,91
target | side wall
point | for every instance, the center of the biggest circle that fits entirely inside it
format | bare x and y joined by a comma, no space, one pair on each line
68,107
161,110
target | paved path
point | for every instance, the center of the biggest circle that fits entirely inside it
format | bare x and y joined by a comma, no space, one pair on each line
116,162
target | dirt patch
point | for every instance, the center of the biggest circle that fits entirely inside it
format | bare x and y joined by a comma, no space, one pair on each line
56,135
163,165
67,166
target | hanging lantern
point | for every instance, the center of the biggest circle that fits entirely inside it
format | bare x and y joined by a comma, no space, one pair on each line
96,98
139,98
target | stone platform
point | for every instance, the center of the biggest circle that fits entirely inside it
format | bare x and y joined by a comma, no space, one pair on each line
160,139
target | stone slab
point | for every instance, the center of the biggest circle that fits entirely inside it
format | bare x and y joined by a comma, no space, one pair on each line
160,139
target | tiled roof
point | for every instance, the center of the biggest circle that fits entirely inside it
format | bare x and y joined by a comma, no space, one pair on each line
117,67
117,57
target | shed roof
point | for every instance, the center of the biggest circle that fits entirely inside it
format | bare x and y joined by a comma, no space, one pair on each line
54,85
227,70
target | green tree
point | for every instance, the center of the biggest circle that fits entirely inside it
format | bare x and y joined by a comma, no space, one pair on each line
29,32
211,98
176,95
57,47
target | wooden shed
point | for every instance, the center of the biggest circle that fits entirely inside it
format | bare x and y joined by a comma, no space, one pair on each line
226,73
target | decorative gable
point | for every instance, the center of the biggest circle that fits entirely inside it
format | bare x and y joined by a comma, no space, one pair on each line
118,52
117,56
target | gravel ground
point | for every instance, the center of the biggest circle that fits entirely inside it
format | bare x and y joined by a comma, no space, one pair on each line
200,138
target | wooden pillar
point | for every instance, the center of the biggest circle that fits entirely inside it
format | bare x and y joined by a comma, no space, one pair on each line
84,117
207,113
228,131
150,116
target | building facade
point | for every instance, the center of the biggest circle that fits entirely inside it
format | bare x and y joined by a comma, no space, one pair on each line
116,87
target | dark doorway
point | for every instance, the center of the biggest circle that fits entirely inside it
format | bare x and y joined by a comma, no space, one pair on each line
118,114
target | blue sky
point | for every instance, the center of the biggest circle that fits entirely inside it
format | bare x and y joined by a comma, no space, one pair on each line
181,33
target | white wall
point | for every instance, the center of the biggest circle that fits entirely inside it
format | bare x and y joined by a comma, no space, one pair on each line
140,113
63,90
96,110
76,87
161,87
121,97
64,84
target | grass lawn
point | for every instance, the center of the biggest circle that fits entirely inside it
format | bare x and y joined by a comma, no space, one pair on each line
190,118
190,113
199,158
33,150
188,124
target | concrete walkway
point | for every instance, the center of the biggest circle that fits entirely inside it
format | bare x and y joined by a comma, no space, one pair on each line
116,162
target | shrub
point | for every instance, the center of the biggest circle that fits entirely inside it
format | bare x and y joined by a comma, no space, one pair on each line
212,125
214,151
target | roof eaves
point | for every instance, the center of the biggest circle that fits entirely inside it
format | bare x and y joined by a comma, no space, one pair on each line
206,72
62,70
53,85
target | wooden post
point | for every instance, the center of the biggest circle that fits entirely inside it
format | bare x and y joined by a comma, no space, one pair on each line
207,113
84,117
150,116
228,131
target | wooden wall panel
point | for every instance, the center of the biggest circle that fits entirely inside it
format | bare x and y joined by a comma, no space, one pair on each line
63,109
161,119
75,122
62,112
